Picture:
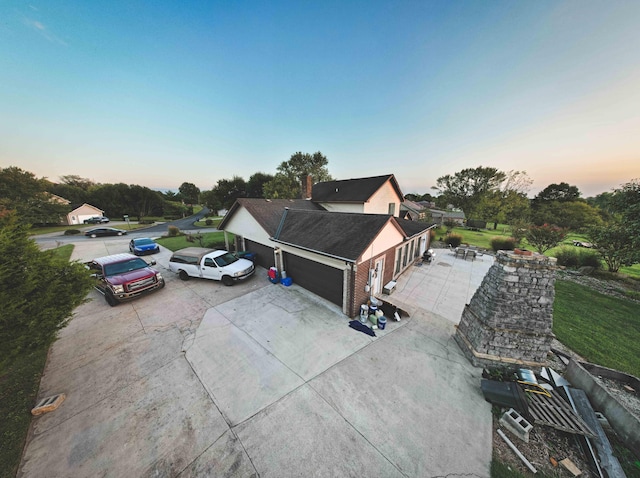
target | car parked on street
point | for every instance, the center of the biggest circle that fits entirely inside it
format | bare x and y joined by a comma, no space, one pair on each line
105,231
142,246
121,277
97,220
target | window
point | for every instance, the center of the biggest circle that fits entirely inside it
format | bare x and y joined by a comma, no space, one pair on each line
398,259
405,255
411,253
209,262
392,208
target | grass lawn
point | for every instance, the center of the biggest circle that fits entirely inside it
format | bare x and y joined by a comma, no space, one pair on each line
604,330
63,252
180,242
18,391
203,222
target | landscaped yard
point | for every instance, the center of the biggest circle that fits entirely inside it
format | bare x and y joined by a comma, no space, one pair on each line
214,240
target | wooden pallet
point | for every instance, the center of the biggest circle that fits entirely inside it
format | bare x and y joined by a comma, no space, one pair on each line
555,412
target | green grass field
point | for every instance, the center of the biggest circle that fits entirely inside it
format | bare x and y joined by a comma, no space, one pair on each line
604,330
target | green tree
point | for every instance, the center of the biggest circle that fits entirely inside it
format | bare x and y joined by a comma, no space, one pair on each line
562,192
626,201
291,176
545,237
466,188
574,215
189,192
227,191
210,199
255,185
38,292
615,243
23,192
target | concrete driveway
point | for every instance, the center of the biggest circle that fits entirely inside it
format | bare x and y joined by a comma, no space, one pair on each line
257,379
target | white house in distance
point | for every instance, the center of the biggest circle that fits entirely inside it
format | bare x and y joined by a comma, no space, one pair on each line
344,257
80,213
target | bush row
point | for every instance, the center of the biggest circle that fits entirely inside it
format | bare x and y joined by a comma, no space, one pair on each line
574,257
499,243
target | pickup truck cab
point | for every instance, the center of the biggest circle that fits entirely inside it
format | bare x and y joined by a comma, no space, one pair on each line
210,264
121,277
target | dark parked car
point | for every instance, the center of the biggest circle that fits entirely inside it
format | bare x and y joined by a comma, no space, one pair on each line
96,220
104,231
144,245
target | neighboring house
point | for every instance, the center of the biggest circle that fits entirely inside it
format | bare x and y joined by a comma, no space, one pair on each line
413,211
440,217
57,199
344,257
375,195
80,213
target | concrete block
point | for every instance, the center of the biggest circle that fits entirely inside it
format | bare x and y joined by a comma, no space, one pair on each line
516,424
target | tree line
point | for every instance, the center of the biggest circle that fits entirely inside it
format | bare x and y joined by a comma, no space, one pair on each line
611,220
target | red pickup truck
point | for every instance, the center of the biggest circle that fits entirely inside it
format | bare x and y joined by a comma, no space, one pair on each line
121,277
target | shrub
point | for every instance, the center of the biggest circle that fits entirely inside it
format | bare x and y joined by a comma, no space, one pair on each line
174,231
146,221
71,232
590,258
454,240
218,245
545,237
567,257
208,222
574,258
499,243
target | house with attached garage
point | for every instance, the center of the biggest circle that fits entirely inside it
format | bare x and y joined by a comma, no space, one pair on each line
342,256
82,212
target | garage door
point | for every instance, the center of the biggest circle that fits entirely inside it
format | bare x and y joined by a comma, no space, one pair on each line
318,278
264,254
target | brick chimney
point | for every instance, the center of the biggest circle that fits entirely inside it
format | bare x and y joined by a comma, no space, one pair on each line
307,188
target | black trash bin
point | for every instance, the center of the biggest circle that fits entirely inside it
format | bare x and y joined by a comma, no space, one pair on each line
506,395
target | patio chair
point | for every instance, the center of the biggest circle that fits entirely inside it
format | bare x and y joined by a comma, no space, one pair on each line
472,254
461,252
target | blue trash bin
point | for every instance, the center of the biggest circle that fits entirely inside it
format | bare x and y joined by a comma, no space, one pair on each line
382,322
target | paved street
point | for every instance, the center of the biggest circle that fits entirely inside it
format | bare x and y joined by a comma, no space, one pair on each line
258,379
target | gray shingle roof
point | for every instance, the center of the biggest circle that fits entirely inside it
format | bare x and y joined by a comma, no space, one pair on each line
352,190
339,234
267,212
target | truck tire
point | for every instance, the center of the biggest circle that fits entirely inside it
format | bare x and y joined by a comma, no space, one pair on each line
111,300
183,275
227,280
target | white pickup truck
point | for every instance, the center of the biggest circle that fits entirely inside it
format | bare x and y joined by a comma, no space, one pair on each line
210,264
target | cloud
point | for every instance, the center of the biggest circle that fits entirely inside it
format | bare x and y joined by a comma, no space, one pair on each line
42,30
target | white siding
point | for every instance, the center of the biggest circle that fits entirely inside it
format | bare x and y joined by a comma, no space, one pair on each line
243,224
388,238
343,207
379,202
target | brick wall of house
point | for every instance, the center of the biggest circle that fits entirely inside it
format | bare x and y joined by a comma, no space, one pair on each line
361,278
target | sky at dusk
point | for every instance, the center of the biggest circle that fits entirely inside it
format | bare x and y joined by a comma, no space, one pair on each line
163,92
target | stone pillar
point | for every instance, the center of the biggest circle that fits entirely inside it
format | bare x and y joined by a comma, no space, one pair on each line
509,319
